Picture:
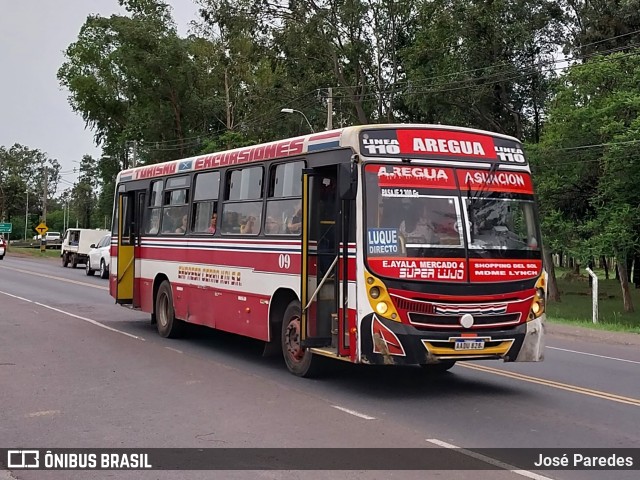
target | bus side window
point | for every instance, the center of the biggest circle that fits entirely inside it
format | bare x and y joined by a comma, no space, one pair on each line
154,209
242,207
283,199
205,204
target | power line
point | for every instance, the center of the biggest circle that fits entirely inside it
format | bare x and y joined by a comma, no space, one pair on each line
598,145
498,65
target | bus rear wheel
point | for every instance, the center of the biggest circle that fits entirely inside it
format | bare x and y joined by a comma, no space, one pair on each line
300,361
435,368
167,324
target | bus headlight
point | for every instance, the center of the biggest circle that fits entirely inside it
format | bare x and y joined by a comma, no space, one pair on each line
536,308
374,292
382,308
538,304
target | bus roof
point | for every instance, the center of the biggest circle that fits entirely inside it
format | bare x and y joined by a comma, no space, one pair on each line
314,142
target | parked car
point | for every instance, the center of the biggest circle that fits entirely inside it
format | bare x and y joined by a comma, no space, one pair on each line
99,257
52,237
3,247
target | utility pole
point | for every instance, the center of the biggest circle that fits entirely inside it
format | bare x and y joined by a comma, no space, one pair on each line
44,197
330,109
43,241
26,216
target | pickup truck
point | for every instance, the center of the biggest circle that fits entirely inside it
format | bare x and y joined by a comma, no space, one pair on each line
77,243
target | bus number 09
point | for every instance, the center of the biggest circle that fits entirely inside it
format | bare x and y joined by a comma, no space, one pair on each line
284,261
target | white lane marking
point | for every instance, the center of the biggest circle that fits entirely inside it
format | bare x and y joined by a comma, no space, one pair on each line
85,319
594,355
354,413
16,296
489,460
173,349
88,320
62,279
44,413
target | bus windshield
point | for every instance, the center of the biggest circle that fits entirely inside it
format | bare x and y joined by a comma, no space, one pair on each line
420,214
501,223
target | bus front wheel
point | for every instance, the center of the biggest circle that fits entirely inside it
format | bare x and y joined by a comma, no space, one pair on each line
300,361
167,324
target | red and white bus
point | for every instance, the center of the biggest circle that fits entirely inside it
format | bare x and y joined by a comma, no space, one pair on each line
376,244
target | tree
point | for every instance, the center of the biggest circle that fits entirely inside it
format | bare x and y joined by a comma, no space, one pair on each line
83,193
482,64
591,166
602,26
134,79
23,169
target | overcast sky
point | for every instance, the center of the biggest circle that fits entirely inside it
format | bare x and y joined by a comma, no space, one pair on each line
34,108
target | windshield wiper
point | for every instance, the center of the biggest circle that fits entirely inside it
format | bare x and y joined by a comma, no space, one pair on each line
485,185
473,199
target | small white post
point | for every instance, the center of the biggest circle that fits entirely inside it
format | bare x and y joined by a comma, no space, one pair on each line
594,292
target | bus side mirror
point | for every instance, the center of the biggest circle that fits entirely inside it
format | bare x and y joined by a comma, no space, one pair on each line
348,179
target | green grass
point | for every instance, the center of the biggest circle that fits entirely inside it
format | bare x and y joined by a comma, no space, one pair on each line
575,306
33,252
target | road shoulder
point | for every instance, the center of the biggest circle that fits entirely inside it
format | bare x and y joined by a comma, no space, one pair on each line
592,335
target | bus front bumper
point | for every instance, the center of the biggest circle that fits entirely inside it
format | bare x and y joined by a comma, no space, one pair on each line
385,342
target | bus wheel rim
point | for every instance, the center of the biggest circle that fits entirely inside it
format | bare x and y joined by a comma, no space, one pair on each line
163,313
292,340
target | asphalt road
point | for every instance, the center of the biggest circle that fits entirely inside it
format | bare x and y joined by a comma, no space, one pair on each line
68,380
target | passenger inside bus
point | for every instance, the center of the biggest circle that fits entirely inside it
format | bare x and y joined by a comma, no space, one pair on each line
212,225
154,222
271,225
183,227
419,230
250,226
294,224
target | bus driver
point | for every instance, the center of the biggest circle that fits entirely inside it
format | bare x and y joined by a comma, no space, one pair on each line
420,230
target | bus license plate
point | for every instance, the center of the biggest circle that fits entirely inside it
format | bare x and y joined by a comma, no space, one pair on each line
469,344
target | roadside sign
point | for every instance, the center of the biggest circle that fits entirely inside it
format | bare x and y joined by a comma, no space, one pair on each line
42,229
6,227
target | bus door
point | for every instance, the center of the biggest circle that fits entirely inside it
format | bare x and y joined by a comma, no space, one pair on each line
130,206
320,258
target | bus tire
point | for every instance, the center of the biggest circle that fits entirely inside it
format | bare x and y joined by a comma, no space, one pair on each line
436,368
167,324
299,361
104,273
